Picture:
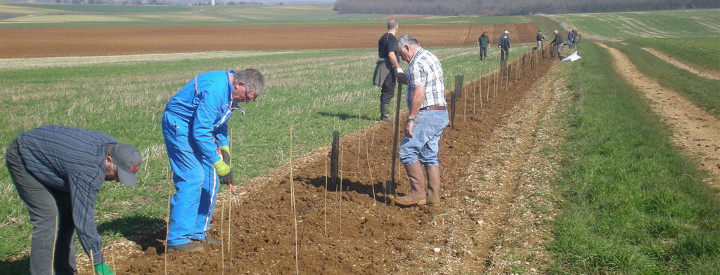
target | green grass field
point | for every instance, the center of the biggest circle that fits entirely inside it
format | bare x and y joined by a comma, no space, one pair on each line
701,51
701,91
652,24
634,205
301,90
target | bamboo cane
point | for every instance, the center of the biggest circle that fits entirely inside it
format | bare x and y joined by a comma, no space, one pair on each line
474,90
222,236
325,198
292,200
167,226
367,158
92,262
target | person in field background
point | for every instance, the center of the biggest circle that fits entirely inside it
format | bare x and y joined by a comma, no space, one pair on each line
483,43
386,69
504,45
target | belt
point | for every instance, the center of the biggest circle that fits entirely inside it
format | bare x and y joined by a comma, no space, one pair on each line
434,108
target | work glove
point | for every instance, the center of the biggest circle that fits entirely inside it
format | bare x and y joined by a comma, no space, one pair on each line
104,269
225,154
400,76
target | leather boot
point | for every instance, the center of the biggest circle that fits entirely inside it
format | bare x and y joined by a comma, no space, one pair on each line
417,186
433,187
385,112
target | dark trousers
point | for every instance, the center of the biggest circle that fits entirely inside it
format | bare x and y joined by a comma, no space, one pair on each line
388,89
51,217
504,53
483,53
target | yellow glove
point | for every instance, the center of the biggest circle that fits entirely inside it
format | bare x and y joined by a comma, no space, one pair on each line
221,168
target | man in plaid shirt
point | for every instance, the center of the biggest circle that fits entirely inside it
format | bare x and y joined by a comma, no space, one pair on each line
427,118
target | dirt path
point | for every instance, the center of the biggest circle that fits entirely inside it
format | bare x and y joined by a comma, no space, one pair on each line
694,131
510,201
706,73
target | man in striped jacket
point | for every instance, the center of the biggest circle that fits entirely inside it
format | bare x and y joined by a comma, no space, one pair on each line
58,172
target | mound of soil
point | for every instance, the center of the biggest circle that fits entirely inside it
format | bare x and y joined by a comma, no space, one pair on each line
350,230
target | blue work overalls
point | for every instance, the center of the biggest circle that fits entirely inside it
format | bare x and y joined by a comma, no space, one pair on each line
194,125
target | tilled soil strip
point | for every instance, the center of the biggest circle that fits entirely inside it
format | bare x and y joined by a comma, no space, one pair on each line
694,131
349,232
706,73
511,182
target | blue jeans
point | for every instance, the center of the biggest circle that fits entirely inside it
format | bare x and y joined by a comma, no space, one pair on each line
559,48
423,146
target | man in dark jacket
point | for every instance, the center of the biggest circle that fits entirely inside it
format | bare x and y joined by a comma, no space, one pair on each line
58,172
386,69
483,43
504,45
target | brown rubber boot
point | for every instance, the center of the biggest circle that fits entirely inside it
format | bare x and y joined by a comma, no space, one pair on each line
433,188
417,186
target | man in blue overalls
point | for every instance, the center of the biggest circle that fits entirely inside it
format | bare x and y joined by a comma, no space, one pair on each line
195,127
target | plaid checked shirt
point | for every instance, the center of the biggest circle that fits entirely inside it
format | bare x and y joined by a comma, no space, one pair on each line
426,71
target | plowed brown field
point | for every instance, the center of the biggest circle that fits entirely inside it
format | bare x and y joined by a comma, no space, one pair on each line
97,41
350,231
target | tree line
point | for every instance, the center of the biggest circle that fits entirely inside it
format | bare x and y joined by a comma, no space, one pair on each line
513,7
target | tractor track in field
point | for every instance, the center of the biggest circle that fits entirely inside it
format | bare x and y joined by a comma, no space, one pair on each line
694,131
495,181
702,72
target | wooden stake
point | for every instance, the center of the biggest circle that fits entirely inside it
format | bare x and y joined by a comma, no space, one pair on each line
292,201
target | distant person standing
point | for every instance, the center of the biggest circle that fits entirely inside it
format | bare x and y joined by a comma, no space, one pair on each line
426,120
504,45
483,43
558,43
540,38
571,39
386,69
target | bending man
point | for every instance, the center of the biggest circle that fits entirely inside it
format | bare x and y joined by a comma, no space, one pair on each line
58,172
426,120
195,130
